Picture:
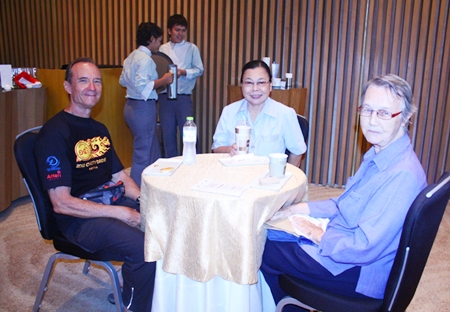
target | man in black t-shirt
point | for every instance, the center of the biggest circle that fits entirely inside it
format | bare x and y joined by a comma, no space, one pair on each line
75,154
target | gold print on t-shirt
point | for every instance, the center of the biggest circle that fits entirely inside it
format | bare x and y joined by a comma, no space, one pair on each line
91,148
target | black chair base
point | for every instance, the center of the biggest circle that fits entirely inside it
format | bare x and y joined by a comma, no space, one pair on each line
322,300
104,264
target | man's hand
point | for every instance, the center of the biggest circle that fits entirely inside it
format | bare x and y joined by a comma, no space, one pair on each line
181,72
131,217
167,78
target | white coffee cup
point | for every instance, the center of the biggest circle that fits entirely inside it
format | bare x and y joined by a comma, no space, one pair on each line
243,138
277,164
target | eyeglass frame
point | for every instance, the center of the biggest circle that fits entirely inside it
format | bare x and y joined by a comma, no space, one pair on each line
259,84
392,115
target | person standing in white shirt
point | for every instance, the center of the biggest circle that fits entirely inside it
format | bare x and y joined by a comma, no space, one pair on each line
140,77
186,55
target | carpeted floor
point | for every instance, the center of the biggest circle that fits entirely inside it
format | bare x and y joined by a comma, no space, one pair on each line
24,255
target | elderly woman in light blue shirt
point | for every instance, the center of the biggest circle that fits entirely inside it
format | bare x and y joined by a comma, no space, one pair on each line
355,254
274,125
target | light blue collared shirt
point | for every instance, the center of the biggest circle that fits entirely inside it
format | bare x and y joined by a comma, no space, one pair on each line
367,219
186,56
275,129
139,75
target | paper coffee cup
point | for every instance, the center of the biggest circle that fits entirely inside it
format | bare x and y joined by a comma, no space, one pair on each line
243,138
277,165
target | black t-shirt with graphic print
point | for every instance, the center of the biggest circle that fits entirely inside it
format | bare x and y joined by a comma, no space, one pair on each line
75,152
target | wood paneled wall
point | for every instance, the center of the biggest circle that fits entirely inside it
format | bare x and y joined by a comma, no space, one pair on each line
331,46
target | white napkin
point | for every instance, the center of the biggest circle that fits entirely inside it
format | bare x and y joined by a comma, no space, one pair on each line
320,222
244,160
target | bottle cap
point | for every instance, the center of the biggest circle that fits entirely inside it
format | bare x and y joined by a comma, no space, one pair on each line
189,118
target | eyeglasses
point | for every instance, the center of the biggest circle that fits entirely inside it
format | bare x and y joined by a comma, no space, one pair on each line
259,84
382,114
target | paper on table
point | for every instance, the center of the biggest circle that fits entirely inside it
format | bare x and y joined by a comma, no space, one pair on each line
286,225
244,160
163,166
210,186
274,187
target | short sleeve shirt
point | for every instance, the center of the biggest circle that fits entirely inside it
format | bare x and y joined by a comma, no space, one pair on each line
75,152
275,129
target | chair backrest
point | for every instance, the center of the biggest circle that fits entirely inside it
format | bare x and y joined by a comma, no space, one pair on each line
304,126
419,231
24,154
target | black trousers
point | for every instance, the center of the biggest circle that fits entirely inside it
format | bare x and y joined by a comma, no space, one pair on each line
127,243
288,258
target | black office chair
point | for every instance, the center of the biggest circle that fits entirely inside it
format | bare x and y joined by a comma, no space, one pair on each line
304,127
418,234
24,153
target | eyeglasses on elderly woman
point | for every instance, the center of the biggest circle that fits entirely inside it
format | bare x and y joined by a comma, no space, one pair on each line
366,111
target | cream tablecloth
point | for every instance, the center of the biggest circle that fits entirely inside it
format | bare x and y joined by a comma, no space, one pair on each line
202,235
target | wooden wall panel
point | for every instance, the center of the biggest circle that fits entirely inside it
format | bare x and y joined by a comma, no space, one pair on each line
412,45
331,46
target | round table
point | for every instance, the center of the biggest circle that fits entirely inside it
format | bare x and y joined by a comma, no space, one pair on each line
203,235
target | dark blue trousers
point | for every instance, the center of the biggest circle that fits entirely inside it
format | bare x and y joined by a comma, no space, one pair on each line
141,117
127,244
172,114
288,258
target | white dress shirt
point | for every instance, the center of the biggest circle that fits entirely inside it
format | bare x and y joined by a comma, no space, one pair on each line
186,56
139,75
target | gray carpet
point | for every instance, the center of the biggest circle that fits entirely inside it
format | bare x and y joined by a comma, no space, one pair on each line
24,255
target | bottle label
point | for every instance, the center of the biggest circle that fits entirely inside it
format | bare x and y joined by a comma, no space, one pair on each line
189,135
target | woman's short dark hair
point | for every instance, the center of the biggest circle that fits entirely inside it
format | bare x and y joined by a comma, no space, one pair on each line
69,72
255,64
145,31
177,19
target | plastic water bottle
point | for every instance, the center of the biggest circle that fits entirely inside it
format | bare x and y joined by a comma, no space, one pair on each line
189,141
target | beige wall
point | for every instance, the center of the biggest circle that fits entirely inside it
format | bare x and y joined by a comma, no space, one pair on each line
331,47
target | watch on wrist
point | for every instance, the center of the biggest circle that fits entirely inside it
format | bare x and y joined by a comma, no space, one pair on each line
138,200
